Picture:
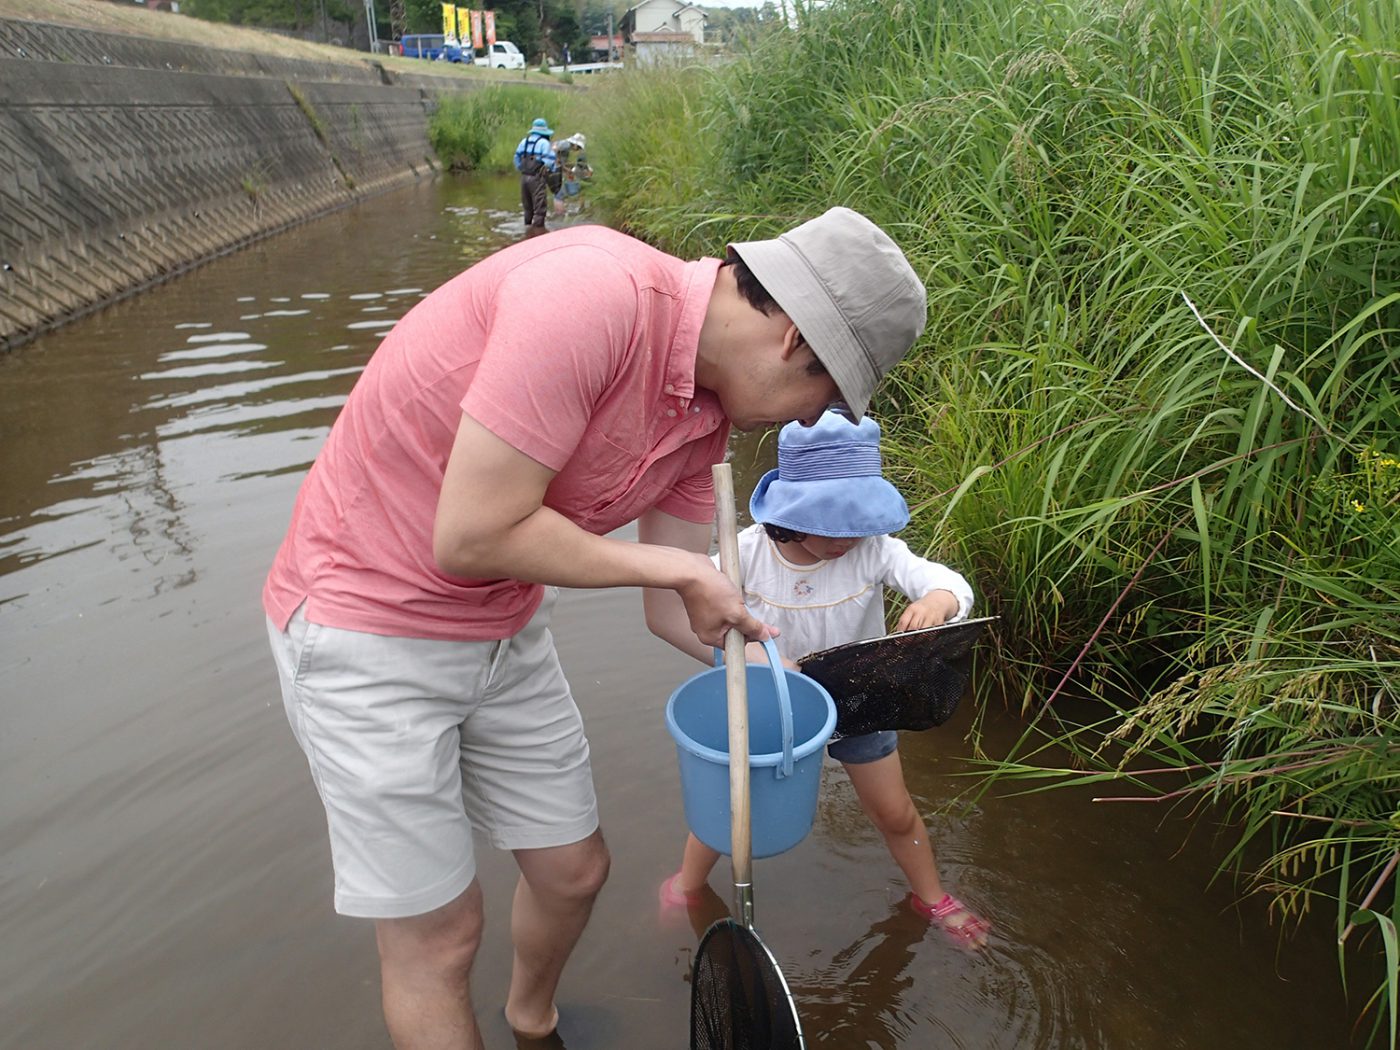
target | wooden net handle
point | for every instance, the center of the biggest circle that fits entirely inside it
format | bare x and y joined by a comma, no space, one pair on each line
736,688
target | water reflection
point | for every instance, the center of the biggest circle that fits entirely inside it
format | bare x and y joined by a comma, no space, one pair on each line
165,879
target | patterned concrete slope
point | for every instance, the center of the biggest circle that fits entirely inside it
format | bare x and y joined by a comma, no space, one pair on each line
124,160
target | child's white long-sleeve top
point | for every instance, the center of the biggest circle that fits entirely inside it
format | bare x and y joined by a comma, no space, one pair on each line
840,600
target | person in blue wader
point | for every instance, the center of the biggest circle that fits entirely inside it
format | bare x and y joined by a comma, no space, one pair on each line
536,162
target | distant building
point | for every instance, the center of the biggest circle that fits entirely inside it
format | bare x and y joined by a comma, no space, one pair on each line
663,30
598,48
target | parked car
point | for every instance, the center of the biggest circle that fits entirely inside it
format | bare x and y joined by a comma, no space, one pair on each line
502,55
431,46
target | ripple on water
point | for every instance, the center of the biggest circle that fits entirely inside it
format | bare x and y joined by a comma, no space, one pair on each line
246,389
218,337
242,417
204,371
213,350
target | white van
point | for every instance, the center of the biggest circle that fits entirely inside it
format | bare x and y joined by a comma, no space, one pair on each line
502,55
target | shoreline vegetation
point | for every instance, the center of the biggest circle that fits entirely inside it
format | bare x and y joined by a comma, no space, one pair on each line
1156,415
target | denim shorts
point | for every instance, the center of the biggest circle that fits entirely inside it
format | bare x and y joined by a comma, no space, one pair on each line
868,747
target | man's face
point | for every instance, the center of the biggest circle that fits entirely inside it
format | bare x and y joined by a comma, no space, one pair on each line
782,388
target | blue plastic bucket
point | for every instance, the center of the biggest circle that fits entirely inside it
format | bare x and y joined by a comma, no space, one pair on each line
785,753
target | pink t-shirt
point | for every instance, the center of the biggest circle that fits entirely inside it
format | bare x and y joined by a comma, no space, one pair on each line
607,400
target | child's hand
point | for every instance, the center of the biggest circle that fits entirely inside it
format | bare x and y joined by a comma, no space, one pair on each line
755,654
934,608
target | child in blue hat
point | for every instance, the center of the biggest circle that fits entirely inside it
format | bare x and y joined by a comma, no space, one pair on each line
815,566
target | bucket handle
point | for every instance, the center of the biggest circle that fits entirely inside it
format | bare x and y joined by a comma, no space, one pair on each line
780,687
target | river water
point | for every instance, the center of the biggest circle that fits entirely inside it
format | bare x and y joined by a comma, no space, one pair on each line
164,870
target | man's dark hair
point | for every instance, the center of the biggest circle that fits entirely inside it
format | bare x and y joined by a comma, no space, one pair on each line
759,298
749,286
778,534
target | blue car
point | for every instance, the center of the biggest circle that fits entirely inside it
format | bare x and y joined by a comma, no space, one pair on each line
433,46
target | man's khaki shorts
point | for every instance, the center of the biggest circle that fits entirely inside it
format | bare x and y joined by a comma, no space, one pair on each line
413,743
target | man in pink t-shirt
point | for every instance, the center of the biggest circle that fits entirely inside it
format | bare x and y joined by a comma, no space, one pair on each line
480,463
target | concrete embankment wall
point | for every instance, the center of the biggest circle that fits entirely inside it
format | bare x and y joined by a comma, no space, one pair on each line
124,160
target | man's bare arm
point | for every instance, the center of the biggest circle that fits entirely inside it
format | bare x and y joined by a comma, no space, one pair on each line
665,613
491,523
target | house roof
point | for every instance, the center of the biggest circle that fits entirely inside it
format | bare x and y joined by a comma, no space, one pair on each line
680,6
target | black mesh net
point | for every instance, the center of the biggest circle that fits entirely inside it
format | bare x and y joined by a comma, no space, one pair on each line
738,998
912,680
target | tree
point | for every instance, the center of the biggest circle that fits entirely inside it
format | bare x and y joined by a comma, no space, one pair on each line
296,15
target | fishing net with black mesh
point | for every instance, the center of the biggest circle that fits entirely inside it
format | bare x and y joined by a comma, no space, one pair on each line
912,680
738,998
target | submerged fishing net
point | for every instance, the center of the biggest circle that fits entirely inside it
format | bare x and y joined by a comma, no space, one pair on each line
912,680
738,998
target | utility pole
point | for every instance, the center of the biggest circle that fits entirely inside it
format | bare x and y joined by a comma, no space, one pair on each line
373,28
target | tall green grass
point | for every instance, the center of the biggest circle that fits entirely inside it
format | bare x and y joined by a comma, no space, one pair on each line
1156,414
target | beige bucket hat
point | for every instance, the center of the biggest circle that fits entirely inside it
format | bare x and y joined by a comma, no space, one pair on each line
851,293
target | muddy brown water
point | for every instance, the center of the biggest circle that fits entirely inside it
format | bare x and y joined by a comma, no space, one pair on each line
164,871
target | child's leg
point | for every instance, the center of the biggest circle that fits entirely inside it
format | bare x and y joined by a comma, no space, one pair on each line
689,884
880,787
872,763
696,864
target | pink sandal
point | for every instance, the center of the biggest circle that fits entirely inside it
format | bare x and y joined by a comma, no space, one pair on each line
958,921
671,897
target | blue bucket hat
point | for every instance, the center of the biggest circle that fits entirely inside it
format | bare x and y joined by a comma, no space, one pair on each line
828,482
540,126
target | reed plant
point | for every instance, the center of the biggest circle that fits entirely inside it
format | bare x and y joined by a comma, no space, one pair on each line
1156,413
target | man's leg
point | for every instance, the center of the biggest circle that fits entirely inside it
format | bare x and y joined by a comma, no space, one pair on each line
553,900
384,752
540,200
527,200
424,963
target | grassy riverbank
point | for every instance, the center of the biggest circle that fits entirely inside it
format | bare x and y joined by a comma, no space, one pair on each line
1156,413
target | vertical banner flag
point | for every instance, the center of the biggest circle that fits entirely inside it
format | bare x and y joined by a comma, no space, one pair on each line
489,17
449,22
477,36
464,22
